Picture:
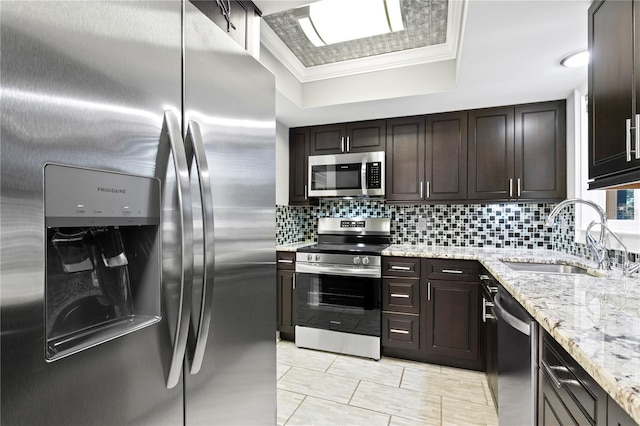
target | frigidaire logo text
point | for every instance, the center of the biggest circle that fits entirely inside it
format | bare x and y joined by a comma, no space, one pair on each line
112,190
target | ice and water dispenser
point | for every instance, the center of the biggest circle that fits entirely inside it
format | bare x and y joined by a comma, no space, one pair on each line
103,257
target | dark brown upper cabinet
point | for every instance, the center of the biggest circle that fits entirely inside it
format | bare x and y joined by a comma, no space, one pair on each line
518,153
405,159
540,167
614,104
361,136
299,167
446,157
491,153
427,158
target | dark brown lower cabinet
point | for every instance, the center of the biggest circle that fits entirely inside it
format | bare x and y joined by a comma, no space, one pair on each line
451,322
285,288
432,320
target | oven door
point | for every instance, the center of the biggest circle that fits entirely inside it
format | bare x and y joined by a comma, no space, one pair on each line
350,304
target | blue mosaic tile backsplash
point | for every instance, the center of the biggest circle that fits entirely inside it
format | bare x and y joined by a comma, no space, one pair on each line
505,225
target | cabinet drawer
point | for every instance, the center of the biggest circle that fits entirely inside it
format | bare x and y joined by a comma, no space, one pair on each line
401,295
577,390
401,331
452,270
286,260
401,267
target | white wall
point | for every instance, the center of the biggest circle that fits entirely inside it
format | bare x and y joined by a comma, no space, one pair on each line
282,164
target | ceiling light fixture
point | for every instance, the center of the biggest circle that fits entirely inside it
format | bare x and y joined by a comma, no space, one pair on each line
576,59
335,21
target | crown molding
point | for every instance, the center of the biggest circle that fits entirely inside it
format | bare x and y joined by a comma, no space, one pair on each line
456,18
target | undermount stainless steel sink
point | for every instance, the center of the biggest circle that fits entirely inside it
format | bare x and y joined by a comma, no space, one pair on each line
548,268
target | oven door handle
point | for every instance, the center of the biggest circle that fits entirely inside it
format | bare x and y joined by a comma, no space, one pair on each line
302,268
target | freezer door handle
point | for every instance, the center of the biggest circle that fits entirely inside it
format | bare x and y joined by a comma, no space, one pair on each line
171,139
206,304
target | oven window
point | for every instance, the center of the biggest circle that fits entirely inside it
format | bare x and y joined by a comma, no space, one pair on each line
340,303
341,176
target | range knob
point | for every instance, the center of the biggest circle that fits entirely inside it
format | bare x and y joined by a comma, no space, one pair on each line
356,260
309,257
317,258
365,260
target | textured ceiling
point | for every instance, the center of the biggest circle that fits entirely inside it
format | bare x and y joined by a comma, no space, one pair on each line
425,25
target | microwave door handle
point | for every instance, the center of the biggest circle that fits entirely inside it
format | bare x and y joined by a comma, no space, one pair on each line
208,231
171,140
363,176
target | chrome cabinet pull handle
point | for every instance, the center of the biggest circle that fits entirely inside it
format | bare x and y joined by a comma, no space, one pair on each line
451,271
510,187
637,136
628,138
342,144
519,191
397,331
285,261
428,189
557,382
400,295
171,140
400,268
348,144
194,135
429,290
421,189
306,197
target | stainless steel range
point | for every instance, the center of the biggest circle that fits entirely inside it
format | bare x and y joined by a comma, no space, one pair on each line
338,287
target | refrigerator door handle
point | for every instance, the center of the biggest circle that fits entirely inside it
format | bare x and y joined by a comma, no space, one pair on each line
206,304
171,139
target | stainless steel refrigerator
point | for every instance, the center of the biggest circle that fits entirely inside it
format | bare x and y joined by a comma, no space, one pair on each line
137,243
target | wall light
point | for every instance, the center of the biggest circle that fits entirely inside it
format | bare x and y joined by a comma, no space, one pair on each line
335,21
576,59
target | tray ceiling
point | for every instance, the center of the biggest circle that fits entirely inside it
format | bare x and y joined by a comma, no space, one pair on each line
425,25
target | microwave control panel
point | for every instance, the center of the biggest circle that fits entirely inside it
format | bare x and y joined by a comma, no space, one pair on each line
374,175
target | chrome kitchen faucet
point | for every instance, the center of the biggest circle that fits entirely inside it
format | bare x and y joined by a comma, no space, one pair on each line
599,247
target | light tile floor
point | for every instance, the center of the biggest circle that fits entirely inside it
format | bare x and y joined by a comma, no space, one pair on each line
321,388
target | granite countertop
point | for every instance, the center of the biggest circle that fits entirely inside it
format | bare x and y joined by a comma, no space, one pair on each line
294,246
595,319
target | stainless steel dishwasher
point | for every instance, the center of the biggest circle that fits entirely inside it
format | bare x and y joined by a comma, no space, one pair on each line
517,361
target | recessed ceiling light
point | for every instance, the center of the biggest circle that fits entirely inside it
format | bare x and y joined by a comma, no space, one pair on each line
576,59
335,21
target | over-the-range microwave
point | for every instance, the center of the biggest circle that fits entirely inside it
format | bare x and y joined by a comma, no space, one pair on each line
347,175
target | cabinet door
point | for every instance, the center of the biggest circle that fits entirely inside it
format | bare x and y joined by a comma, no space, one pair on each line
405,159
540,151
450,318
329,139
446,156
285,295
491,154
366,136
298,166
611,77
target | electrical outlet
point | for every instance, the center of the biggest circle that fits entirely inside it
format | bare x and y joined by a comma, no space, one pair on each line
422,224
